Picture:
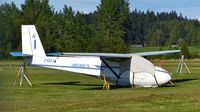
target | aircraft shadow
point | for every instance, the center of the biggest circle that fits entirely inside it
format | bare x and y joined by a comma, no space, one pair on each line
99,86
78,83
175,81
184,80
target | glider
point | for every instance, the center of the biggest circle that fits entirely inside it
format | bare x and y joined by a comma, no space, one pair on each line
120,69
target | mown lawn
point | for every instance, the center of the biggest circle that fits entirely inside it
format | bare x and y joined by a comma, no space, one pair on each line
60,91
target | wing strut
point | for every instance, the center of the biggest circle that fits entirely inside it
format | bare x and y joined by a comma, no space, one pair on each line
118,77
155,78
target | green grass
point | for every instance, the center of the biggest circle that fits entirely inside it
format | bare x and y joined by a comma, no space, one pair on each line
60,91
145,49
194,49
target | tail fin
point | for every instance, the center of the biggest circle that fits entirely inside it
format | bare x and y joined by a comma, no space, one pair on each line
31,44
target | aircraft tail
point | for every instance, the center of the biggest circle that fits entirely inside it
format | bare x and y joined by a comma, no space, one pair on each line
31,44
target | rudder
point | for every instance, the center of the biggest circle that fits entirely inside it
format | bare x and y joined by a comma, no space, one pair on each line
31,44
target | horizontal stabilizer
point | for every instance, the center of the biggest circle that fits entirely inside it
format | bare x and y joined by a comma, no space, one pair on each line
18,54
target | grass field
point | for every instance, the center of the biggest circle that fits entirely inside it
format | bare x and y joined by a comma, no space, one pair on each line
60,91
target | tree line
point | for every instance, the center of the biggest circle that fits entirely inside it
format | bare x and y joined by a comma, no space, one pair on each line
111,28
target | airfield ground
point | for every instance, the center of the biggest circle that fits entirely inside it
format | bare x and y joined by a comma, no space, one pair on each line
60,91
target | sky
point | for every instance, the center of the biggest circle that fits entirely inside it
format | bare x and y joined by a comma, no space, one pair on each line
188,8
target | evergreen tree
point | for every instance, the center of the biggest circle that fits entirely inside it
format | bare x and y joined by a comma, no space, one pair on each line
10,21
40,13
109,29
67,31
184,50
112,16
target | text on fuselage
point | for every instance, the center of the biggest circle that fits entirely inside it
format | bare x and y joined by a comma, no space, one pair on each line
50,60
80,65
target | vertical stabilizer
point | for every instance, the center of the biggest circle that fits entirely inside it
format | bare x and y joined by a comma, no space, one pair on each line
31,44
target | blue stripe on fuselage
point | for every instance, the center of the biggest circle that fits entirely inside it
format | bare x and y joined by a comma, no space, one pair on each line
98,67
67,66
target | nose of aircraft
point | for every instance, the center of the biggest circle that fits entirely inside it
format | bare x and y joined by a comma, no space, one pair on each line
162,76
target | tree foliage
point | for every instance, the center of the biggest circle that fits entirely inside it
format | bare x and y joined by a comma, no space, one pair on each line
111,28
112,16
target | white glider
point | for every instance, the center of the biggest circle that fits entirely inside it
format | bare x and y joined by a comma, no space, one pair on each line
120,69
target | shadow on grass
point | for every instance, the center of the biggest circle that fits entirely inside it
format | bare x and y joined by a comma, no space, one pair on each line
175,81
76,83
99,86
88,86
112,87
184,80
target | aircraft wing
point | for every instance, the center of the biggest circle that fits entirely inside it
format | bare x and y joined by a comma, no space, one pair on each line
115,55
103,55
154,53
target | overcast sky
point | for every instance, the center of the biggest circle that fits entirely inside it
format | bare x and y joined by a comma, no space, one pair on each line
189,8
